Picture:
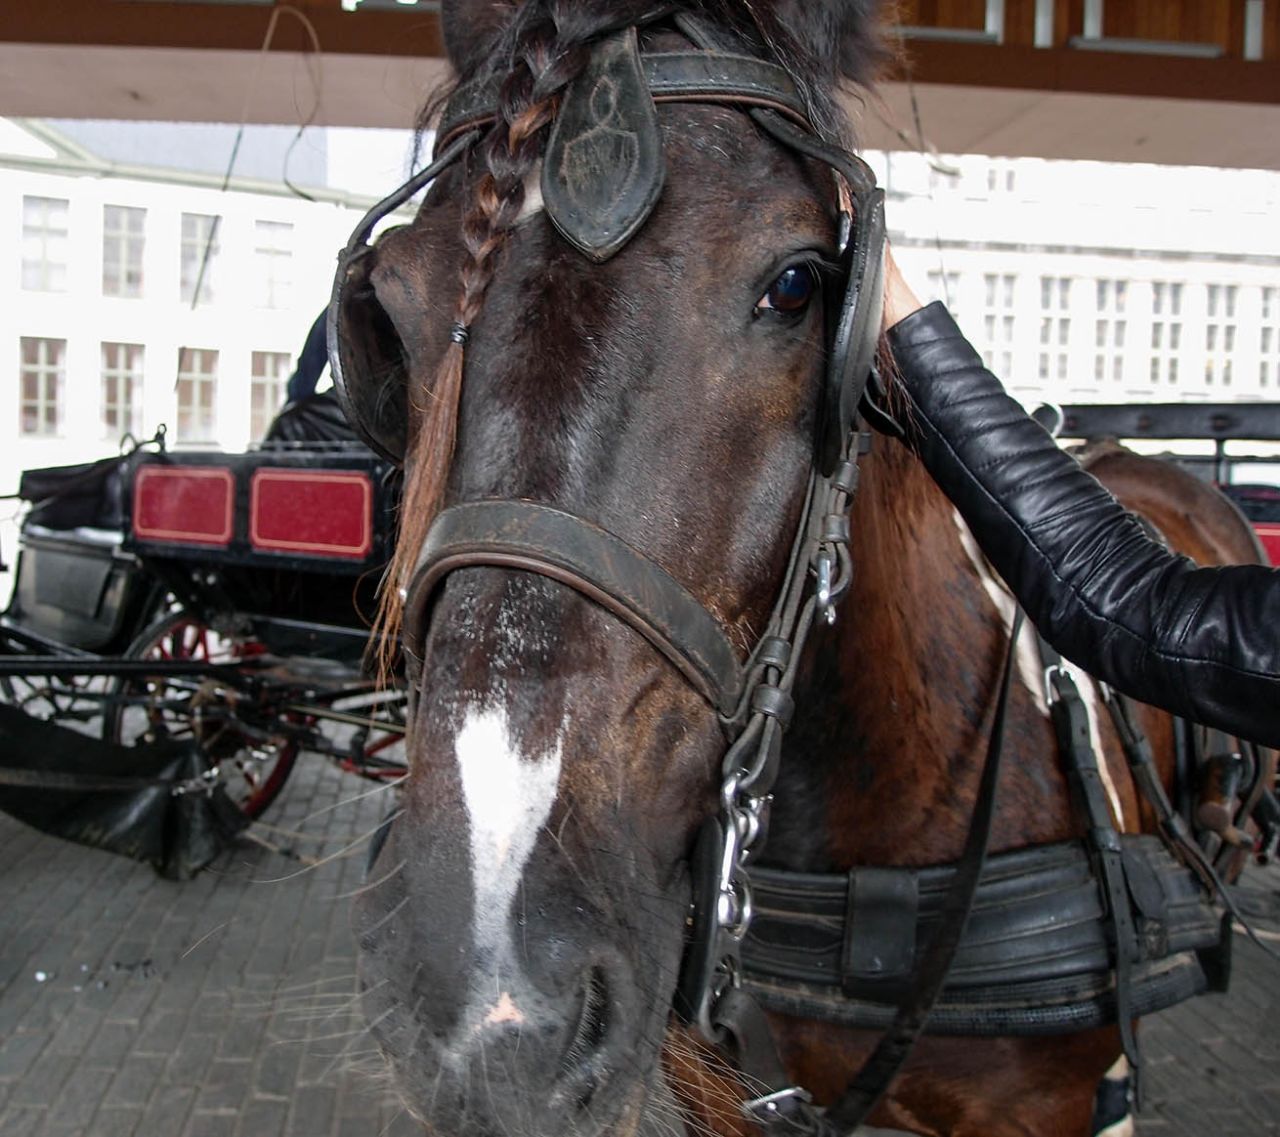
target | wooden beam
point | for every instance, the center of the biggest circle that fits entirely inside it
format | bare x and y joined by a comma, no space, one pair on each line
1083,71
221,26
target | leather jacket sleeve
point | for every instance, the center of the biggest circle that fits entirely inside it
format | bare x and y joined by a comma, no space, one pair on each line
1200,642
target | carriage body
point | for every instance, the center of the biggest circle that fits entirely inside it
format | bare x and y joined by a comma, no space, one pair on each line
285,540
211,603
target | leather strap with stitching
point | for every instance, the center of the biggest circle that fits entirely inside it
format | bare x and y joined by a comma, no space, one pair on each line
536,538
672,76
1071,721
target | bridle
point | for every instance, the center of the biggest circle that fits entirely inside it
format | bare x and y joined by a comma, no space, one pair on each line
597,207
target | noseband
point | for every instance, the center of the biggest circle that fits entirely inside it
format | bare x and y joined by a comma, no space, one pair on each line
601,176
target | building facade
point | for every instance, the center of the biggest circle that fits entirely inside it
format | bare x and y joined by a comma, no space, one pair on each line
1092,282
145,295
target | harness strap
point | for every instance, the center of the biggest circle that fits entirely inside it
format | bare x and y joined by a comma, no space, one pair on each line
1036,932
1071,721
671,76
892,1051
536,538
77,783
1137,752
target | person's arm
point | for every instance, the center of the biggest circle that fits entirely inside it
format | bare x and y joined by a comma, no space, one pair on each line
1201,642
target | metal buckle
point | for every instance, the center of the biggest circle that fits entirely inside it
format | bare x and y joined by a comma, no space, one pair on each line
824,567
1051,693
779,1104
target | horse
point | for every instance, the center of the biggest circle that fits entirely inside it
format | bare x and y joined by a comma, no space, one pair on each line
620,352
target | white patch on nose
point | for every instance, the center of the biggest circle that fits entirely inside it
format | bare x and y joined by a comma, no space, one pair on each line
504,1011
508,797
1030,667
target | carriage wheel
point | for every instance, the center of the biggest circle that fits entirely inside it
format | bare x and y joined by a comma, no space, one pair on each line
253,763
66,701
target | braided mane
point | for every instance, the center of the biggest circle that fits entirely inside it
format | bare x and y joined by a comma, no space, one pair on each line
541,46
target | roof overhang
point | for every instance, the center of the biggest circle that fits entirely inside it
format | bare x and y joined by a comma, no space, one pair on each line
225,61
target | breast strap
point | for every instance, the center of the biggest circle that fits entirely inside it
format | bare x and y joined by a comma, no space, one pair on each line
1035,954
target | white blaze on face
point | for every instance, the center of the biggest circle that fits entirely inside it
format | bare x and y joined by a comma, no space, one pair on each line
508,798
1030,668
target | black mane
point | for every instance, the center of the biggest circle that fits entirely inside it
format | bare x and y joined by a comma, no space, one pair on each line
823,44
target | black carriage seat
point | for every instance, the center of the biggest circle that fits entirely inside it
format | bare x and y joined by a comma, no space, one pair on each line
89,495
314,418
73,585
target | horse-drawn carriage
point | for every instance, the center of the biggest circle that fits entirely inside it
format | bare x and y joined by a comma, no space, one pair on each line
624,541
192,621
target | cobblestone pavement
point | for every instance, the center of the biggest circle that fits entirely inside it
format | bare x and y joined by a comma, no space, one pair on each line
219,1007
132,1006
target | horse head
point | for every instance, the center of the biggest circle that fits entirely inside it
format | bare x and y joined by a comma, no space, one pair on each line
602,351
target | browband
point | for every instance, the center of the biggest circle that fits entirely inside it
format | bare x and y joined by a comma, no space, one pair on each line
672,76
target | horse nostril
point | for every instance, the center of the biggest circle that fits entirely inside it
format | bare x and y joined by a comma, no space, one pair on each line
579,1064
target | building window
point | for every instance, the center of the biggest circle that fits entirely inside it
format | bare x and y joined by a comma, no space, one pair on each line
199,252
121,388
41,381
197,391
1269,338
122,242
1055,327
945,286
273,252
997,323
1109,331
1219,333
45,243
1166,331
269,373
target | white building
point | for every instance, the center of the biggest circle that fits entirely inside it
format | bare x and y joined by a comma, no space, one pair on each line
1093,282
1078,281
101,329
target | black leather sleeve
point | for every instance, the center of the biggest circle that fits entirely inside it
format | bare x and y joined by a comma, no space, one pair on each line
1201,642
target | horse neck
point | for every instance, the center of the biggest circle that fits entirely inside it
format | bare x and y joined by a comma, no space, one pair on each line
895,707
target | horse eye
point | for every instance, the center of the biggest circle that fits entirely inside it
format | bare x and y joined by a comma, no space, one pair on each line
791,292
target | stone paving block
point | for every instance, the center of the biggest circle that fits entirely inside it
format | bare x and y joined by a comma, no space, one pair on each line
263,1117
18,1052
21,1122
127,999
74,1032
160,1032
167,1111
211,1125
243,1034
43,1083
79,1099
224,1087
276,1075
136,1080
312,1112
113,1038
192,1056
117,1123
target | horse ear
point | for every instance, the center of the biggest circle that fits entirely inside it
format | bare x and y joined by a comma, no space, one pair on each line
854,27
471,28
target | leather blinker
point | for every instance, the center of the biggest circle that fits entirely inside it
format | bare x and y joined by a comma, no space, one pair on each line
604,168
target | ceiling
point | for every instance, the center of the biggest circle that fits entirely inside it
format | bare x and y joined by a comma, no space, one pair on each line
252,60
